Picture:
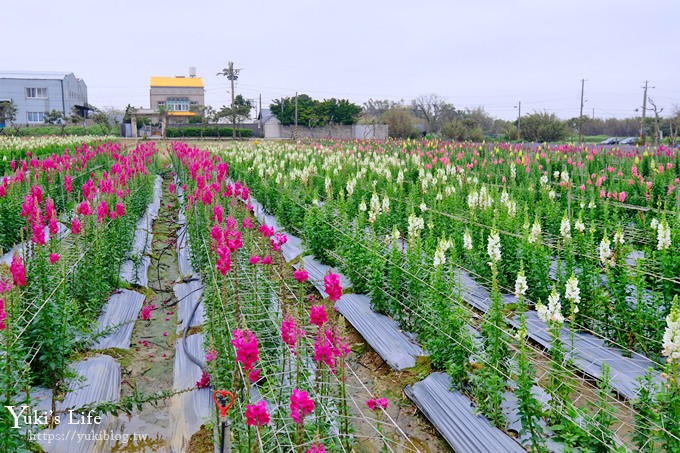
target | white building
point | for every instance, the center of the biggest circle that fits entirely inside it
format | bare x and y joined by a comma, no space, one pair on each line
35,93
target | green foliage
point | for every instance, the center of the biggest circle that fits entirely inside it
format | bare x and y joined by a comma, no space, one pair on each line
543,127
646,414
314,113
210,131
529,407
400,123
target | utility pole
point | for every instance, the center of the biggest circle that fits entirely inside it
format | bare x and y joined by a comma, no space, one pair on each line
232,75
580,115
644,113
295,130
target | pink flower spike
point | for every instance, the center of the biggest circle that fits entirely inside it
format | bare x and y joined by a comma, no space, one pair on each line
317,315
257,414
301,275
267,260
332,286
165,334
18,271
254,259
54,257
317,448
300,405
210,355
75,226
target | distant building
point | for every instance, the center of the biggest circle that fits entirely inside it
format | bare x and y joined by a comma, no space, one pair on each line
34,93
178,95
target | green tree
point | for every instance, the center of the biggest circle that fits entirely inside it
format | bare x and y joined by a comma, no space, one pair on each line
240,112
400,122
284,110
56,117
334,111
543,127
8,113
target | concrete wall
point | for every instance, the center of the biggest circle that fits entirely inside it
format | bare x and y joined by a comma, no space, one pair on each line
61,95
350,132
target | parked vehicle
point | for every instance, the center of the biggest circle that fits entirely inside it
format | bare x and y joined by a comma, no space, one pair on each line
628,141
610,141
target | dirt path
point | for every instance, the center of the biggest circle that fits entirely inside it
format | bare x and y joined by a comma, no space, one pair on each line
148,367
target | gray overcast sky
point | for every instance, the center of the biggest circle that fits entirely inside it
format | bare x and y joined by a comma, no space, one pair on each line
484,52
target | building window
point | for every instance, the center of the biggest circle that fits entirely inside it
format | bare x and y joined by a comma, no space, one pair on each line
36,93
36,117
177,104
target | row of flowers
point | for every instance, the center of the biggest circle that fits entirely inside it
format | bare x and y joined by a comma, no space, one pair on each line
55,285
266,335
344,198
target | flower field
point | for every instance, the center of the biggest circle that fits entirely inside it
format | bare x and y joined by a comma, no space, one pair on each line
519,297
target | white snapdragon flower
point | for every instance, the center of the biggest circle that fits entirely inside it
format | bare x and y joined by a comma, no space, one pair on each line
671,336
512,208
386,204
493,248
572,292
618,237
513,170
604,250
467,240
362,206
544,180
535,234
579,226
654,224
415,225
565,228
504,197
663,236
553,311
423,206
551,194
521,286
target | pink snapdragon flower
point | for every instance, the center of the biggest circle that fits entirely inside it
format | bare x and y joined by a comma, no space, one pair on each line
75,226
290,332
3,314
317,448
254,259
211,355
54,257
332,286
247,351
18,271
300,405
377,403
257,414
267,260
247,223
102,211
317,315
301,275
